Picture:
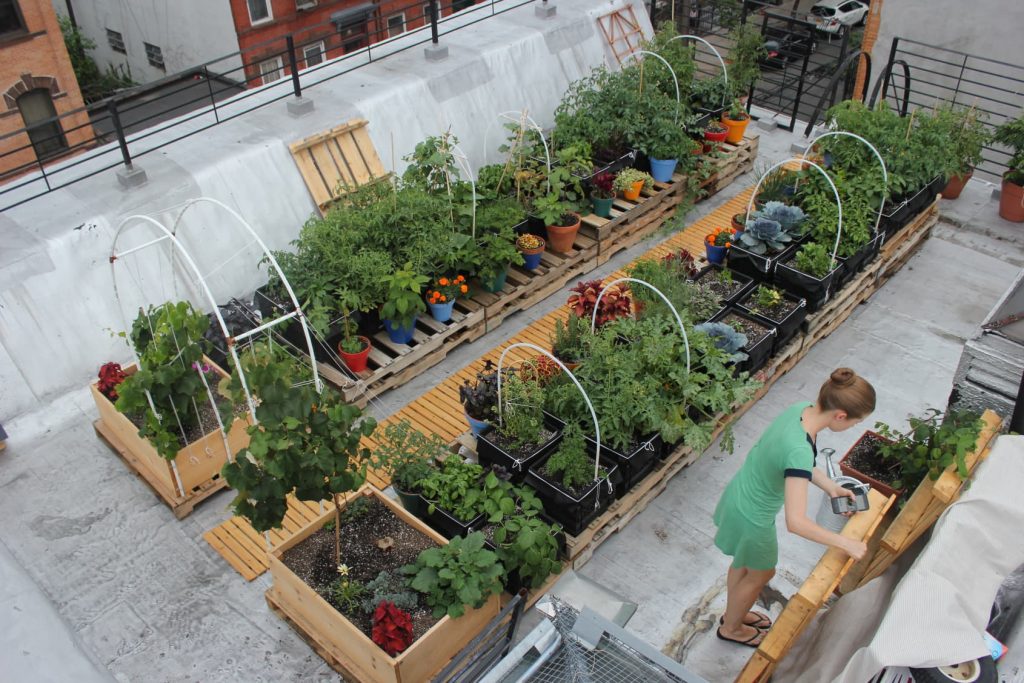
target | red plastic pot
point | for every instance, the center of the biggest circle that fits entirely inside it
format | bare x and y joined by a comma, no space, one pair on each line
356,362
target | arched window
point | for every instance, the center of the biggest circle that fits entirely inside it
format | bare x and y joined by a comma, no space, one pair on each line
44,130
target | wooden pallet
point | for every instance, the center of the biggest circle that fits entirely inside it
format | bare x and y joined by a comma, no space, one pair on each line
342,157
181,506
310,639
819,586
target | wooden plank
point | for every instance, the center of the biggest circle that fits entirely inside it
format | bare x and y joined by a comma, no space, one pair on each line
949,483
326,135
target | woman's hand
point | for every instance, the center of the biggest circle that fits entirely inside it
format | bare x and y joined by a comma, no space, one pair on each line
855,549
838,491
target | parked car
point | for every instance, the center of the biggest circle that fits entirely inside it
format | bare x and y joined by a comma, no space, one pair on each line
783,46
830,15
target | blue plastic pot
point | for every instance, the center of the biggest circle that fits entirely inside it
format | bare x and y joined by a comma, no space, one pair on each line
532,260
475,426
715,254
662,169
400,335
442,312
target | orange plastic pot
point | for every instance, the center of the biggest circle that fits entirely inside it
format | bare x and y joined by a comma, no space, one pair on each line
633,193
956,185
735,129
1011,202
562,237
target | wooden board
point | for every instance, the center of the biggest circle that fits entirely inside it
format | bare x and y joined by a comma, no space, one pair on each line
342,157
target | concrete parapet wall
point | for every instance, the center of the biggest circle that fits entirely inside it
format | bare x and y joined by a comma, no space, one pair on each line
57,304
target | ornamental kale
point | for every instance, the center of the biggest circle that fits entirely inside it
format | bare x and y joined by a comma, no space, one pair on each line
763,235
789,217
726,338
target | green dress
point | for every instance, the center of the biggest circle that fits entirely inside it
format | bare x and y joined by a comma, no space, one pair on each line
745,515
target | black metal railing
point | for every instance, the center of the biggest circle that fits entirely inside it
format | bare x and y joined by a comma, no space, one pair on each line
921,75
218,91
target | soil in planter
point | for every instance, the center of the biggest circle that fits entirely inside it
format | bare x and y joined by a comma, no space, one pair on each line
778,312
312,560
523,452
754,332
724,290
864,458
556,481
193,432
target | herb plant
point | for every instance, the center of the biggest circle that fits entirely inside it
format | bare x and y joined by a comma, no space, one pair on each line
814,259
931,445
522,410
569,344
480,396
571,463
405,296
455,488
627,177
528,546
452,576
389,587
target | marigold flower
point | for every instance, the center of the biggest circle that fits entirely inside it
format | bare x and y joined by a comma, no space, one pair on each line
444,298
464,289
443,282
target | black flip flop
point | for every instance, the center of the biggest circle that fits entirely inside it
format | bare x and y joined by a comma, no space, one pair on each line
763,623
749,642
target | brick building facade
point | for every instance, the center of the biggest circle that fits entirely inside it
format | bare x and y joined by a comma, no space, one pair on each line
38,85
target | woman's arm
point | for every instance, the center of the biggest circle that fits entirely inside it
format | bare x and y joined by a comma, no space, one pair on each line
821,480
798,523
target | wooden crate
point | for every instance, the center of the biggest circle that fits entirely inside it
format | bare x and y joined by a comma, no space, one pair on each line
199,463
345,647
338,159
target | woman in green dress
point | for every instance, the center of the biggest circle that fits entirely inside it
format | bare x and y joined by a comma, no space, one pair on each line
776,474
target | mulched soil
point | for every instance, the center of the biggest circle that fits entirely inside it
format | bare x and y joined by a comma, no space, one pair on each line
523,452
777,313
724,290
193,432
754,331
864,458
312,560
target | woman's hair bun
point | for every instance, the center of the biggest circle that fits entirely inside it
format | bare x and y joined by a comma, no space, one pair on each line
843,377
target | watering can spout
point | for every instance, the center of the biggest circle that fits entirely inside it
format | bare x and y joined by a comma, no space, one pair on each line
829,467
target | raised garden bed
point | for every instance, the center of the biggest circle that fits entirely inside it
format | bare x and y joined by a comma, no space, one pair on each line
862,462
786,316
760,338
298,571
729,292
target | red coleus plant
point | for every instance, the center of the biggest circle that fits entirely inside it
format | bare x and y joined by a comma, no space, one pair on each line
616,302
392,628
110,376
681,262
540,369
602,185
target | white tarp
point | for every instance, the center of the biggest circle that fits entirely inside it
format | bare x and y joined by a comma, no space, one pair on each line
936,613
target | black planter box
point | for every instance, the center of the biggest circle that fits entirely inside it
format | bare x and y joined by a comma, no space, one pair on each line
758,353
633,466
325,349
490,454
815,291
449,526
712,270
574,514
908,206
610,165
786,328
759,268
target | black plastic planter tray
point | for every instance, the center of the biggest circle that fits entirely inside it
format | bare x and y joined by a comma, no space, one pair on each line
759,268
270,308
574,514
613,165
746,283
446,524
785,328
759,353
490,454
902,212
633,466
816,292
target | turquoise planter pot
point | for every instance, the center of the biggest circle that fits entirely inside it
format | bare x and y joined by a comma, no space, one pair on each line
602,207
498,283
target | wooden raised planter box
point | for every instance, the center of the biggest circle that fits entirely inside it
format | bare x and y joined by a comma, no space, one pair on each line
346,647
199,463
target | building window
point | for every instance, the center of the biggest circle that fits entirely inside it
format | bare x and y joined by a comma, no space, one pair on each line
116,41
271,70
259,11
458,5
11,21
426,13
313,54
155,56
396,25
40,118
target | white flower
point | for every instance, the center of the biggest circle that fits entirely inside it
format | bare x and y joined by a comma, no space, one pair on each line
343,569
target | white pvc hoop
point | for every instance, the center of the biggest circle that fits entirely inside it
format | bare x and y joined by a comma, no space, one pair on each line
881,161
725,72
670,70
590,406
523,119
686,340
839,203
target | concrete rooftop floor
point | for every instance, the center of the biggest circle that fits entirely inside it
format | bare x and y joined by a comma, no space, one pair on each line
98,581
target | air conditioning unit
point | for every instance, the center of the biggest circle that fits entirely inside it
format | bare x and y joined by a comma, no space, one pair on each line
305,4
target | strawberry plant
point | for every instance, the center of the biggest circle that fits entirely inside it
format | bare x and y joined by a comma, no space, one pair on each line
392,628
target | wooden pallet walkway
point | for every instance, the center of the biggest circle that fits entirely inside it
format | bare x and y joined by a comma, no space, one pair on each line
439,410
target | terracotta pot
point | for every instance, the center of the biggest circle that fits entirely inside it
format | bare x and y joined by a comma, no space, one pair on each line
956,185
845,468
562,237
739,221
1011,202
633,193
735,129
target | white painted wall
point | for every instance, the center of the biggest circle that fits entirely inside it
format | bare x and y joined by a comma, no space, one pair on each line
188,32
57,308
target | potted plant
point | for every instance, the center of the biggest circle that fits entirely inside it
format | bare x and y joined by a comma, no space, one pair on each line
810,273
762,242
353,349
1011,197
717,244
404,303
776,307
968,136
560,221
531,248
404,455
522,435
455,494
745,59
735,121
569,342
630,182
496,246
479,398
528,548
664,142
759,336
714,134
441,297
602,194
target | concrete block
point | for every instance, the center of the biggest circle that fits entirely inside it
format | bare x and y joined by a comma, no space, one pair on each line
798,147
131,176
300,106
767,123
435,53
996,191
545,10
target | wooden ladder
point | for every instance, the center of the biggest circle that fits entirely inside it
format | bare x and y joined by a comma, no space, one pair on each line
622,32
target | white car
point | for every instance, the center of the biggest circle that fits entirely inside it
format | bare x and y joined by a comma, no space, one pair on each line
829,15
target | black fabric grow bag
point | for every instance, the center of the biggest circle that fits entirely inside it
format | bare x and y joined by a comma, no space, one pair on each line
759,268
635,465
746,283
785,328
490,454
816,292
758,353
574,514
448,525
